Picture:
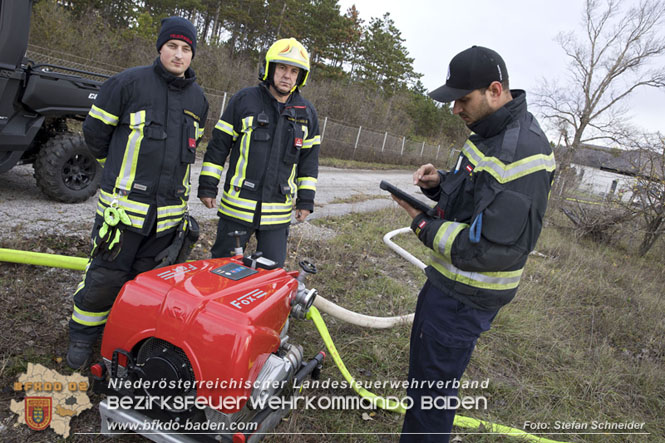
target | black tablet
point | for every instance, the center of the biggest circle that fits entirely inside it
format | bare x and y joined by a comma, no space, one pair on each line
397,192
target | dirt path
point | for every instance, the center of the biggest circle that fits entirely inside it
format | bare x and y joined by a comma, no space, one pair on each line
25,211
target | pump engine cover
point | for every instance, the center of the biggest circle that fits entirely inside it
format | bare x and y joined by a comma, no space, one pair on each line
226,326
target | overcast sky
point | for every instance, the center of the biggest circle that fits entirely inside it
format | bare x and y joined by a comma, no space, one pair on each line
522,31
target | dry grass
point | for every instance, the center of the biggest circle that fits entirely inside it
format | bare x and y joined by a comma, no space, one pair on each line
583,341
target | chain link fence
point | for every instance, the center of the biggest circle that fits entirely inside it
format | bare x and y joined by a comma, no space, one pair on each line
338,139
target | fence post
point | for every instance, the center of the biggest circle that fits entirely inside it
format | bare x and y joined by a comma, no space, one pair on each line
384,141
450,156
357,138
402,152
223,103
422,149
325,120
438,148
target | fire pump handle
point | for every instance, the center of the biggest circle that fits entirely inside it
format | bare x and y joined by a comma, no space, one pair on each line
308,267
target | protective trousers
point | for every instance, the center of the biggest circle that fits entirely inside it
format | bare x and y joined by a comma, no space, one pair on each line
443,337
103,280
272,243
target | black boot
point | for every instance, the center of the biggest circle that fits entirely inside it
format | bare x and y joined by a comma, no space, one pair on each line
78,355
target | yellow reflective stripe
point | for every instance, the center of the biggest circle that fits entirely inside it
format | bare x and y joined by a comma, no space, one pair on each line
243,203
103,116
164,225
81,285
505,173
170,211
127,172
199,130
89,318
292,183
310,142
102,161
276,207
227,128
170,216
275,219
124,202
307,183
241,165
498,281
445,236
442,262
212,170
231,212
185,181
132,208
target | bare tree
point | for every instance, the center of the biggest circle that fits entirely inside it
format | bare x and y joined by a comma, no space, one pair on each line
648,199
614,57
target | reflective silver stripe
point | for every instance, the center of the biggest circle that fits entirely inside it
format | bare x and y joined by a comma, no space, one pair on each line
484,280
241,165
138,207
170,211
198,131
311,142
185,181
307,183
128,169
103,116
275,219
240,202
227,128
445,237
245,216
169,216
89,318
276,207
292,183
130,207
212,170
163,225
504,173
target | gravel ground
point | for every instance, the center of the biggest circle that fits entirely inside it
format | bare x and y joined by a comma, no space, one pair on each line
25,211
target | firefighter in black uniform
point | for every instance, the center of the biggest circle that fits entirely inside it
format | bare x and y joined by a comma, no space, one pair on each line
272,136
489,216
144,126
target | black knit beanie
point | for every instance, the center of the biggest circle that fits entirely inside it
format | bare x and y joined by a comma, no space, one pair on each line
177,28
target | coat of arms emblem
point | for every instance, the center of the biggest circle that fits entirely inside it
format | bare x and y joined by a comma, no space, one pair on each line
38,412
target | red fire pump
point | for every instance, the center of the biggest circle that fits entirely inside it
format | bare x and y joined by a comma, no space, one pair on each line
201,347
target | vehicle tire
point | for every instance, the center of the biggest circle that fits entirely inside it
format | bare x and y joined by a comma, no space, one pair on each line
65,169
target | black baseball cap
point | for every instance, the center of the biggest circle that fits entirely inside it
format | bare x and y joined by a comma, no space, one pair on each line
469,70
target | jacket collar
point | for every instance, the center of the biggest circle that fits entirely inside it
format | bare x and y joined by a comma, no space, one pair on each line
172,80
496,122
293,97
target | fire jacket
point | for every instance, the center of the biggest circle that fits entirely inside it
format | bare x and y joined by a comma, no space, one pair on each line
490,208
144,127
274,158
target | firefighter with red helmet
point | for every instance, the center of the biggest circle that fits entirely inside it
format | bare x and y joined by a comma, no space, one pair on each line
271,135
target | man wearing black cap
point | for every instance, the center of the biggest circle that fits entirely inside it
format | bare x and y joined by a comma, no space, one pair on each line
489,209
144,127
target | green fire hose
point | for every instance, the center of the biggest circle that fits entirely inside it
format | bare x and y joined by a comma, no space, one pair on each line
460,421
42,259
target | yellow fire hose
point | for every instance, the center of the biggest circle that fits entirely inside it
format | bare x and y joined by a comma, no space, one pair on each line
42,259
460,421
78,263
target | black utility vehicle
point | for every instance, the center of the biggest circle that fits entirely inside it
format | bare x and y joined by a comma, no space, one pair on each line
36,102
